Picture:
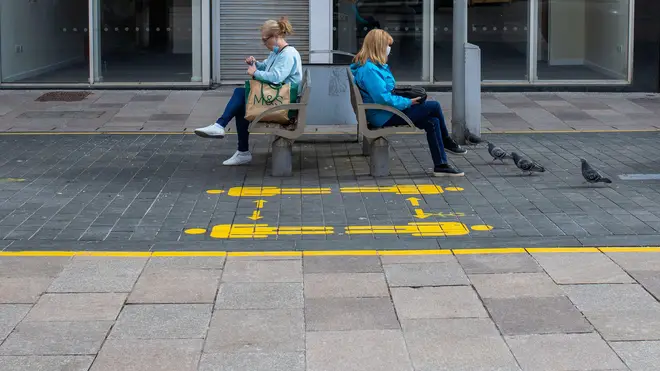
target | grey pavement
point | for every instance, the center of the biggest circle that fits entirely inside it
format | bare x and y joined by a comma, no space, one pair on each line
513,311
183,111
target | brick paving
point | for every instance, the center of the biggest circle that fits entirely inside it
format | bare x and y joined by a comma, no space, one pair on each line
515,311
112,111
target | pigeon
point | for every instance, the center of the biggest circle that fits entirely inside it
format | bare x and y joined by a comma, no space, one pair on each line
527,165
497,152
472,139
592,175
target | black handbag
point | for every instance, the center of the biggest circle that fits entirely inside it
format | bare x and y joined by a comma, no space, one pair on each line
412,92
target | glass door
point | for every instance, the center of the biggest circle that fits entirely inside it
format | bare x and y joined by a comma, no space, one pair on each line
148,41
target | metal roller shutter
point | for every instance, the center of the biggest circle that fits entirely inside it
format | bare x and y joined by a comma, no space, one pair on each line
240,22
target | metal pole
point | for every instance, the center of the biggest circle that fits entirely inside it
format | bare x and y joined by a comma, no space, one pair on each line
458,70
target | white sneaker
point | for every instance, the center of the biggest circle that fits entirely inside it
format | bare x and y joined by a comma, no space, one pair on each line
211,131
239,158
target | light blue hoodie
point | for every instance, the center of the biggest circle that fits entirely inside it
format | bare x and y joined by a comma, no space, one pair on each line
283,67
376,83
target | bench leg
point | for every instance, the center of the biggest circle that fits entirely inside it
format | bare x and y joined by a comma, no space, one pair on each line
282,157
380,157
365,146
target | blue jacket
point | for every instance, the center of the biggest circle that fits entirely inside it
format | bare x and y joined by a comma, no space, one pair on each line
376,83
283,67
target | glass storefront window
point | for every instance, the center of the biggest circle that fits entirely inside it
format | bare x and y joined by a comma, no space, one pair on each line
149,41
44,41
404,19
583,40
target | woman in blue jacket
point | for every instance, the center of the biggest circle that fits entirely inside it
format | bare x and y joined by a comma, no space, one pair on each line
283,65
373,77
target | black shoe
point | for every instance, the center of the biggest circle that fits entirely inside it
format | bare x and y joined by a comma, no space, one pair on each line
447,170
453,147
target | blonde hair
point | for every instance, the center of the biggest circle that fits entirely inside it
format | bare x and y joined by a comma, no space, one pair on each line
281,28
374,47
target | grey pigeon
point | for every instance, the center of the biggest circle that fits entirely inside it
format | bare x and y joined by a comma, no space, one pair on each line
527,165
472,139
592,175
497,152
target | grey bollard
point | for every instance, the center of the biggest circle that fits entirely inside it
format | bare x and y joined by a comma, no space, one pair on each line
380,157
365,146
282,157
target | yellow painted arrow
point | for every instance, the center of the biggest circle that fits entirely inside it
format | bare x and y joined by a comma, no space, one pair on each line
256,215
260,203
413,201
420,214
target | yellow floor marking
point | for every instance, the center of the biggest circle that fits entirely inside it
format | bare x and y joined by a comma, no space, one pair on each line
422,189
11,180
413,252
430,229
513,250
174,254
504,250
630,249
480,227
263,253
256,215
264,231
340,253
420,214
561,249
195,231
414,201
275,191
215,191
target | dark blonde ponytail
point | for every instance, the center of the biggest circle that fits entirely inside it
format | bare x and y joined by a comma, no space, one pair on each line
286,28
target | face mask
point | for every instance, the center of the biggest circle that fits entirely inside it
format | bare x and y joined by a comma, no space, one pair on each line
276,49
388,50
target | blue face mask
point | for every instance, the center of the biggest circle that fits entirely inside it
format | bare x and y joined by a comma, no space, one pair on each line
276,49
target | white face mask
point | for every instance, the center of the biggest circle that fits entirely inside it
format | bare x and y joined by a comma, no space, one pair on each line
388,50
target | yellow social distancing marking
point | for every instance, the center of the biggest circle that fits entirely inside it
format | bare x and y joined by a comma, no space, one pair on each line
422,189
11,180
275,191
433,229
264,231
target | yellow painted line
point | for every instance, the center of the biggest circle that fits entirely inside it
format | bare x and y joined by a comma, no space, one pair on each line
263,253
511,250
413,252
274,191
629,249
422,189
114,254
561,249
340,253
37,253
11,180
264,230
430,229
174,254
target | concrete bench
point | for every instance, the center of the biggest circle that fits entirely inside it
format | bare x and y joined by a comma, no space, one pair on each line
374,140
285,135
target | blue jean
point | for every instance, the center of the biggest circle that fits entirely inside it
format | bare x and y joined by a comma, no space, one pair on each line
236,109
428,117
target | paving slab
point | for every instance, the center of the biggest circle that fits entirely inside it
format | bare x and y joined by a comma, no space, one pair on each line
341,264
22,290
10,316
564,352
437,302
45,363
176,286
382,350
344,314
56,338
263,271
162,321
639,355
329,285
261,361
650,280
97,274
636,261
456,344
77,307
581,268
498,263
256,331
425,274
515,285
611,298
32,267
536,315
185,263
259,296
149,355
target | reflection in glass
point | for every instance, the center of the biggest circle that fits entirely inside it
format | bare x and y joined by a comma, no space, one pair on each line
498,27
44,41
403,19
150,41
583,40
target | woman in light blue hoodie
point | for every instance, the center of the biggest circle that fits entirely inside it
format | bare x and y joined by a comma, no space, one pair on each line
283,65
373,77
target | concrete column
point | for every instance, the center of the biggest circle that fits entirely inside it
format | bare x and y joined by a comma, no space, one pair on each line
196,41
458,71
